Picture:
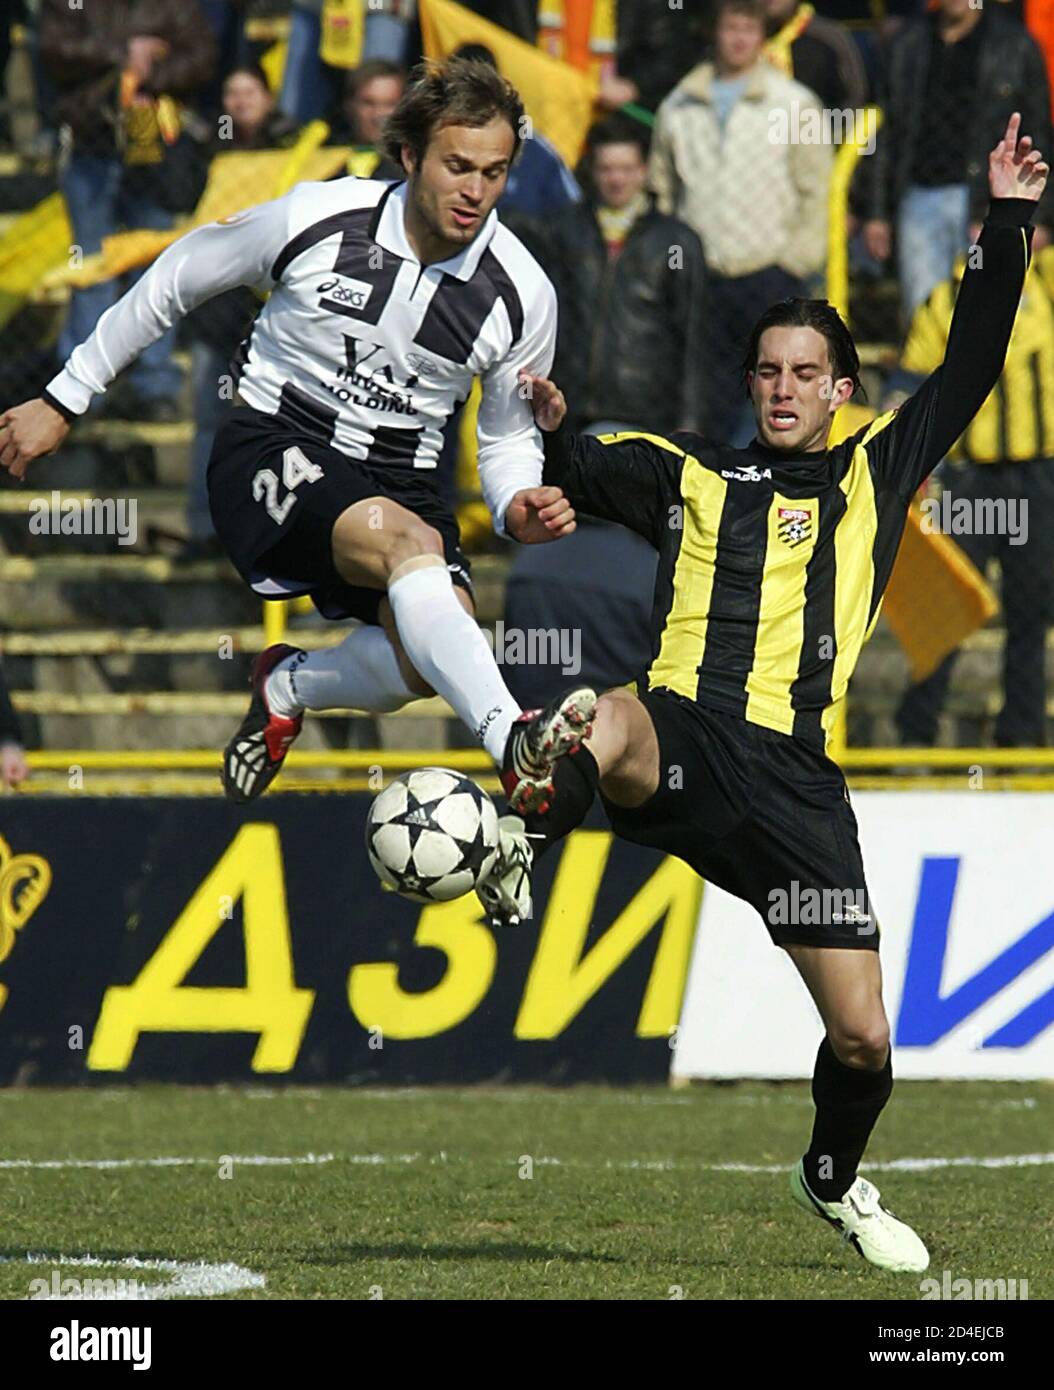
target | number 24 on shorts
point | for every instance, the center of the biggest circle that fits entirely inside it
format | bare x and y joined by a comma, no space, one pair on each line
297,468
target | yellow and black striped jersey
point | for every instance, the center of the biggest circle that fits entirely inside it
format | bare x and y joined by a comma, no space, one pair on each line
772,565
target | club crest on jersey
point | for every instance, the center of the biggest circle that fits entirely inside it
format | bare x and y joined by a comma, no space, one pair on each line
794,525
423,365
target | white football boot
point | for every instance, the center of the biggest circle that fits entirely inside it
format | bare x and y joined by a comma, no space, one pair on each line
866,1224
506,891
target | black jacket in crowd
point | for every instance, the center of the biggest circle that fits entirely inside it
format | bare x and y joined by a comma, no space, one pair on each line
1011,77
10,728
827,60
630,341
658,45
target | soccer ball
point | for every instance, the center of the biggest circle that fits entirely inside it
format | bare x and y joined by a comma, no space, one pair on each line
432,835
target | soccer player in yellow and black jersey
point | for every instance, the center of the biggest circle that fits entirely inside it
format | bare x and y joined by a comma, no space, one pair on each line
772,564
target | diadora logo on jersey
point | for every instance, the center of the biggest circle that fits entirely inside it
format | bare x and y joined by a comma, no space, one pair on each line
852,915
747,473
345,293
794,525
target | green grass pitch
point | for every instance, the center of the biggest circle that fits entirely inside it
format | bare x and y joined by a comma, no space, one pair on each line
584,1193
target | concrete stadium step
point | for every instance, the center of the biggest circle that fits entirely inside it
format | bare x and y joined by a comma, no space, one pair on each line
146,642
131,568
130,591
189,702
152,502
119,434
107,722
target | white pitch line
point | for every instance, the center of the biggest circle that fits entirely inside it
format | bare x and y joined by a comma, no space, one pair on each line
657,1165
190,1279
250,1160
920,1165
894,1165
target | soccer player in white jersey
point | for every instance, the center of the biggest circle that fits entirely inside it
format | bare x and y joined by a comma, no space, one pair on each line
385,301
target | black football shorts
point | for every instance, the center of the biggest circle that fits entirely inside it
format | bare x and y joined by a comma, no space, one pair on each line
279,538
760,814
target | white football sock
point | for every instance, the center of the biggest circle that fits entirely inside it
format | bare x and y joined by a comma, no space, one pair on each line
446,647
362,673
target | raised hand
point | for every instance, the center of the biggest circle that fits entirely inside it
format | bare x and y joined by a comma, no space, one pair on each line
1015,168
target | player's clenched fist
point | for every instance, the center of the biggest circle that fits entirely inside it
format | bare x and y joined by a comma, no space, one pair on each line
27,432
538,514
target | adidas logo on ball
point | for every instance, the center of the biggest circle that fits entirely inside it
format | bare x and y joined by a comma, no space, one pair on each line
432,834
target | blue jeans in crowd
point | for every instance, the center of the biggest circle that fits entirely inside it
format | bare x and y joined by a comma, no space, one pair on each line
226,20
306,85
932,229
99,205
384,36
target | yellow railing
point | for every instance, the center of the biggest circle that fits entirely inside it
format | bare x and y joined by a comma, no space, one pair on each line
848,156
208,759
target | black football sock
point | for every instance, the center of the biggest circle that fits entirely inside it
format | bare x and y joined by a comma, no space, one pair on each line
848,1102
576,778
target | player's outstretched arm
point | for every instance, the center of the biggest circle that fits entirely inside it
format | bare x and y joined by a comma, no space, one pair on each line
935,416
240,250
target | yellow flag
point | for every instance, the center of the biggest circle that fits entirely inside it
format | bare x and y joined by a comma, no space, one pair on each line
273,62
36,244
342,27
936,597
237,180
558,98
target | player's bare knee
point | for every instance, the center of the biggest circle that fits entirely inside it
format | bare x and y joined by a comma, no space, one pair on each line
864,1046
611,727
410,538
623,743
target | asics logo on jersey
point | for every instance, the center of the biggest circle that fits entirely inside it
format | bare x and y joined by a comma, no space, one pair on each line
353,294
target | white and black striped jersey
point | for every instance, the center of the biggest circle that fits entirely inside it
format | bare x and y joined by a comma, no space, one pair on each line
358,344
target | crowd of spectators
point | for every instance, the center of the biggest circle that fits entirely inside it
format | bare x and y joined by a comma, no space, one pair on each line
685,218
